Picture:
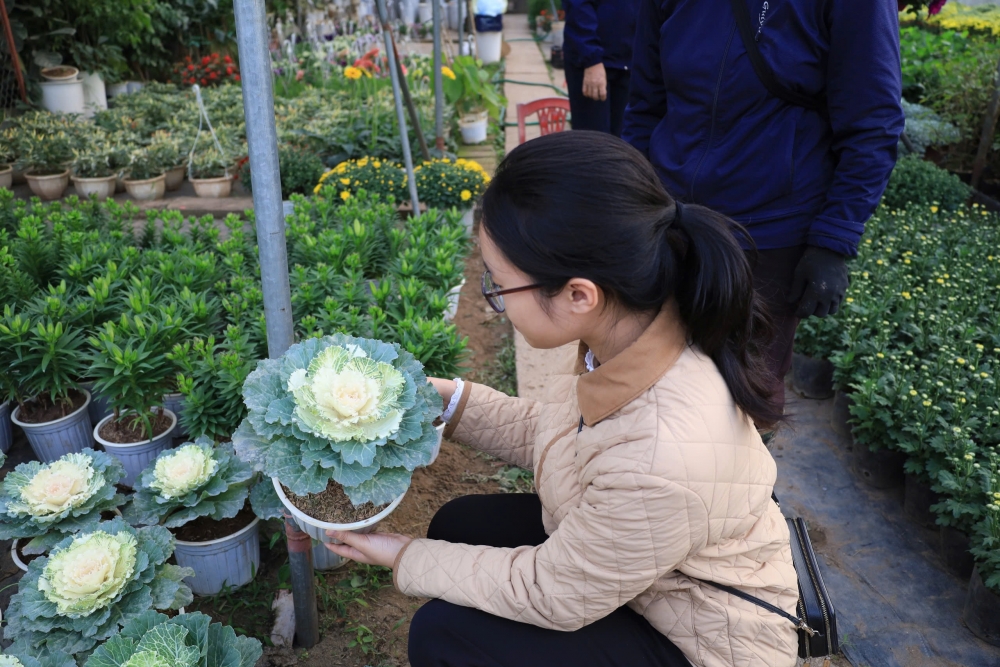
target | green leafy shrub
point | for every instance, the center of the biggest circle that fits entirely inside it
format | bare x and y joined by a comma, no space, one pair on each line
446,183
384,178
916,183
92,584
195,480
47,501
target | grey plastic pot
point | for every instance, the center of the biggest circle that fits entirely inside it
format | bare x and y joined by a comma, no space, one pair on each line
99,404
6,430
325,560
230,561
175,403
316,529
136,456
53,439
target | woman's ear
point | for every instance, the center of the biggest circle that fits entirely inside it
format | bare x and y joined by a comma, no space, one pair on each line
583,296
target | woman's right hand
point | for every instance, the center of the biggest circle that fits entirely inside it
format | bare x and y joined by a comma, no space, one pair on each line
446,388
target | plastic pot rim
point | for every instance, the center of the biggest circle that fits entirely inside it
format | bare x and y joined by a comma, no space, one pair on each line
244,529
25,425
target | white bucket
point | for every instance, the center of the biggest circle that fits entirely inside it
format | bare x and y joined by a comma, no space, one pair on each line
316,529
63,96
425,12
473,128
227,561
136,456
51,440
488,46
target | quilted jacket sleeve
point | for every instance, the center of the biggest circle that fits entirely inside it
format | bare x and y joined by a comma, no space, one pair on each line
493,422
629,530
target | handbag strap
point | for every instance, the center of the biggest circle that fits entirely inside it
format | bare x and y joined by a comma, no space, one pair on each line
799,623
762,69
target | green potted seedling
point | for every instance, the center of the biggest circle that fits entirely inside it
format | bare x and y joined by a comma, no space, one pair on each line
210,172
147,169
7,158
93,173
469,88
45,158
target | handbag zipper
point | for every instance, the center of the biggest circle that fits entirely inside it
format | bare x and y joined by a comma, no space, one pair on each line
815,583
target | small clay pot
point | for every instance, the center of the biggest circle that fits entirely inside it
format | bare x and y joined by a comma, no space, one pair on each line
812,378
981,606
917,500
840,420
882,469
953,545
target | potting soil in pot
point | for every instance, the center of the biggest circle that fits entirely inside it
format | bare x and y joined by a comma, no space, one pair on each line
333,505
205,529
130,430
40,413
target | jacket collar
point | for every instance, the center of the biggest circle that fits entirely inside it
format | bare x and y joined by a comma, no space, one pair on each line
613,385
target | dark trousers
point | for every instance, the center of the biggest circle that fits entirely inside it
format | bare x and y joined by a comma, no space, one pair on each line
447,635
772,278
595,115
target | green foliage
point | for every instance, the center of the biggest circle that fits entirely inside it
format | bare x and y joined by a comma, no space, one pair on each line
45,153
445,183
192,481
469,86
384,178
188,640
34,620
915,182
28,510
209,162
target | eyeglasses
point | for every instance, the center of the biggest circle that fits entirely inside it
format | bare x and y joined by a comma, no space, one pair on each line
494,296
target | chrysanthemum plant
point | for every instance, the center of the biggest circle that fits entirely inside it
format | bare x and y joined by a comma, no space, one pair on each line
194,480
45,502
91,585
356,411
187,640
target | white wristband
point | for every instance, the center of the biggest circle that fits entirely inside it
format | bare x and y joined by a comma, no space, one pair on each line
455,399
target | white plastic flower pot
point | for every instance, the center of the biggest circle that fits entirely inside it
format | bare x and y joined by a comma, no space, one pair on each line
103,187
473,127
136,456
175,403
425,12
116,89
6,430
50,440
6,176
229,561
325,560
21,565
147,189
468,220
175,178
557,33
488,46
316,529
95,95
63,96
60,73
213,187
437,447
49,186
453,296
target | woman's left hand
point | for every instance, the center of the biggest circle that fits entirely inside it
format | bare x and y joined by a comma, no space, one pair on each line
373,548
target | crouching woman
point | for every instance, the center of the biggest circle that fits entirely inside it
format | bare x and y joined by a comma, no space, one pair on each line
651,478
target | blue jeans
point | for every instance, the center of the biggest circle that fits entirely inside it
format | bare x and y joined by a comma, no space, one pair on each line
447,635
595,115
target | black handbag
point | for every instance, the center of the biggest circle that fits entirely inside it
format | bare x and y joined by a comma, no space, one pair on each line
817,620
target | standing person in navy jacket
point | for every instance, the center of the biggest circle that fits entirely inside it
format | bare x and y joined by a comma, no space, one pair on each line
598,51
802,182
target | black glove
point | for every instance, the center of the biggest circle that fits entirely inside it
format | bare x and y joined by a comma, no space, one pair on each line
819,283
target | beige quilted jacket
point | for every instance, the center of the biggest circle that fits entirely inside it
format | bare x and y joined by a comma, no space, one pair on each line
666,481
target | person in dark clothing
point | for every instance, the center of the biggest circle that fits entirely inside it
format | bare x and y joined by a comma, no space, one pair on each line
802,182
598,51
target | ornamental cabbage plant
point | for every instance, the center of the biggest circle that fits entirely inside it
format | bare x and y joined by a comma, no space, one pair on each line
42,659
187,640
194,480
47,501
356,411
90,585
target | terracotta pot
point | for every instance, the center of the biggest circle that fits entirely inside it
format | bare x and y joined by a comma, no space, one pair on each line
175,177
213,187
6,176
48,187
148,189
103,187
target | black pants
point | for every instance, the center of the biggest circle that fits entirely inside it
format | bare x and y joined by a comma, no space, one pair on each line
595,115
772,278
446,635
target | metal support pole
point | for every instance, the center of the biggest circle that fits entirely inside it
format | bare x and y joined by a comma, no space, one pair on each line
383,17
438,85
412,110
262,138
461,25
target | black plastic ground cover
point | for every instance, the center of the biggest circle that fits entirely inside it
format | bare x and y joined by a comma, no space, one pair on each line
896,604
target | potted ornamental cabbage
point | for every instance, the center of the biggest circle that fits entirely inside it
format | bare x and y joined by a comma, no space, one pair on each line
199,491
90,585
45,502
42,359
339,424
187,640
129,366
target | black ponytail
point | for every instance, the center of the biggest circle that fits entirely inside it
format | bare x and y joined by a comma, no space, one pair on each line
586,204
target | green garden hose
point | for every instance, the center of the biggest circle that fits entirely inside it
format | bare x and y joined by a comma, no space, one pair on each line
532,83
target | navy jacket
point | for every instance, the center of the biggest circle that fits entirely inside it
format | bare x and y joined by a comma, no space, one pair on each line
599,31
718,138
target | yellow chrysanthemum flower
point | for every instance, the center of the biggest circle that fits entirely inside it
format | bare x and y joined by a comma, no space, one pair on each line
345,195
466,195
353,73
